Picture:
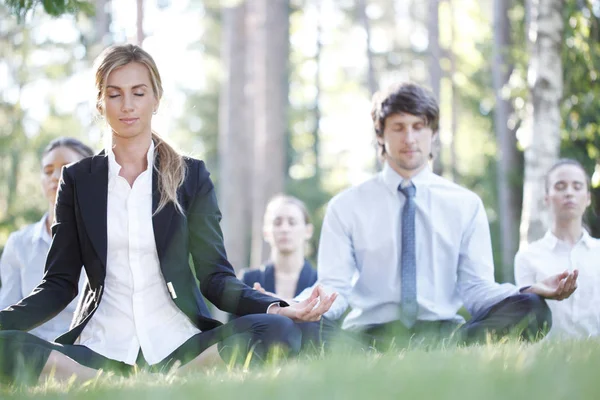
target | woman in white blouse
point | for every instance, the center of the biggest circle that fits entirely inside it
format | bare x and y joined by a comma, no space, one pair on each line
566,246
24,255
132,216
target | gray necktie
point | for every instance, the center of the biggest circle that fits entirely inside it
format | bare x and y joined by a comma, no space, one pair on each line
408,259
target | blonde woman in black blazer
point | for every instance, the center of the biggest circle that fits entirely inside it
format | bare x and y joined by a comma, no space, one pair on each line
131,216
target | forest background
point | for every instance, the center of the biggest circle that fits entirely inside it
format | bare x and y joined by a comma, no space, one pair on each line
275,96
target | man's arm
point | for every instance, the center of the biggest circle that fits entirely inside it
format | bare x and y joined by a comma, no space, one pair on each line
524,270
336,265
475,280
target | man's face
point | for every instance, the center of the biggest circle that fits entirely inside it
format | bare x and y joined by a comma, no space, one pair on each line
407,141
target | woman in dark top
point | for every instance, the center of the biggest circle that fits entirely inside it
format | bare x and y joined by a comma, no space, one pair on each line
287,229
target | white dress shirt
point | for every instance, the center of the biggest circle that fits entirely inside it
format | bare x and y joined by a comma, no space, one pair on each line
360,249
579,315
136,310
22,269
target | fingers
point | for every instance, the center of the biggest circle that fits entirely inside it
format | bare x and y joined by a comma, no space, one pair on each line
315,293
566,286
570,284
326,301
311,309
560,289
258,287
304,313
321,308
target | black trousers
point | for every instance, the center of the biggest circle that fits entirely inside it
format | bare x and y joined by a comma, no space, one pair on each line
524,315
23,355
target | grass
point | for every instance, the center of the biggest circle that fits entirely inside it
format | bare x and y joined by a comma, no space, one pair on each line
510,370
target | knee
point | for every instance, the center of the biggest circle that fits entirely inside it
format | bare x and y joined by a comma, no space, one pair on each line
537,307
282,330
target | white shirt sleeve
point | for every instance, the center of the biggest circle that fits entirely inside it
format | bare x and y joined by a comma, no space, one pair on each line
336,263
476,283
524,270
10,274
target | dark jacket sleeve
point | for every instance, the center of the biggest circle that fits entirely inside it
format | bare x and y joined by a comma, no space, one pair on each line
218,282
59,285
251,276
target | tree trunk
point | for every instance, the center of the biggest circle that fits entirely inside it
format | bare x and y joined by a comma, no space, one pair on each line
270,53
455,101
506,158
317,104
139,23
545,80
435,73
101,21
234,142
364,19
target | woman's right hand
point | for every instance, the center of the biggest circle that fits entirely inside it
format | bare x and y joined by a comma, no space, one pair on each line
309,310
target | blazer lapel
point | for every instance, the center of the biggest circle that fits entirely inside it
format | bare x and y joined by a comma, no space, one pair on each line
161,221
92,192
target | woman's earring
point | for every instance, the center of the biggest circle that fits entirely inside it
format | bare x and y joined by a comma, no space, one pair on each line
154,112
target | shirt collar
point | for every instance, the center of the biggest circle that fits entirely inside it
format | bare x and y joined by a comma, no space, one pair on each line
551,241
588,240
114,168
40,232
393,180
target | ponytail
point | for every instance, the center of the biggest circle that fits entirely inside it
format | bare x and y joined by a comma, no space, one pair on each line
171,172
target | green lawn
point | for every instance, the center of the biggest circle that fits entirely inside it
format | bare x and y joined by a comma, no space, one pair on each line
499,371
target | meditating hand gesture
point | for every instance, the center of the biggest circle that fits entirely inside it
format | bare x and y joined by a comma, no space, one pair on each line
311,309
556,287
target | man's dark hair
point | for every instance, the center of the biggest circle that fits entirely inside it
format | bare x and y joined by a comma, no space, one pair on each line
407,98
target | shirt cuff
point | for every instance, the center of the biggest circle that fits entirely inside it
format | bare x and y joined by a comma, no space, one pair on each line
524,288
272,304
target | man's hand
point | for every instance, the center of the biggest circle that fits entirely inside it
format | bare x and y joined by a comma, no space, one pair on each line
311,309
556,287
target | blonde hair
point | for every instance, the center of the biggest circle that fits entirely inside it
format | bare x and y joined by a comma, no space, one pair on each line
171,165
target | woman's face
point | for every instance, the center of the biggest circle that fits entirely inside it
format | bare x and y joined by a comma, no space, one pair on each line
285,228
129,101
52,164
568,195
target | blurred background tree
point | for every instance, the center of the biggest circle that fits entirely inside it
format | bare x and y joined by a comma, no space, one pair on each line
275,96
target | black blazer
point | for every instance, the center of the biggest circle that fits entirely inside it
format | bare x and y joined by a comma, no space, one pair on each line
266,277
80,238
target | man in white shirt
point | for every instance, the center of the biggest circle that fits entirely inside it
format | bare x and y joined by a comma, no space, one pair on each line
407,249
566,245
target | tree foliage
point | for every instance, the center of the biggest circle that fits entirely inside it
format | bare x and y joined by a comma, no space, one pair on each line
55,8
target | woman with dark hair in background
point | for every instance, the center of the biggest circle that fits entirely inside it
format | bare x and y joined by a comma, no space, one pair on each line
24,255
